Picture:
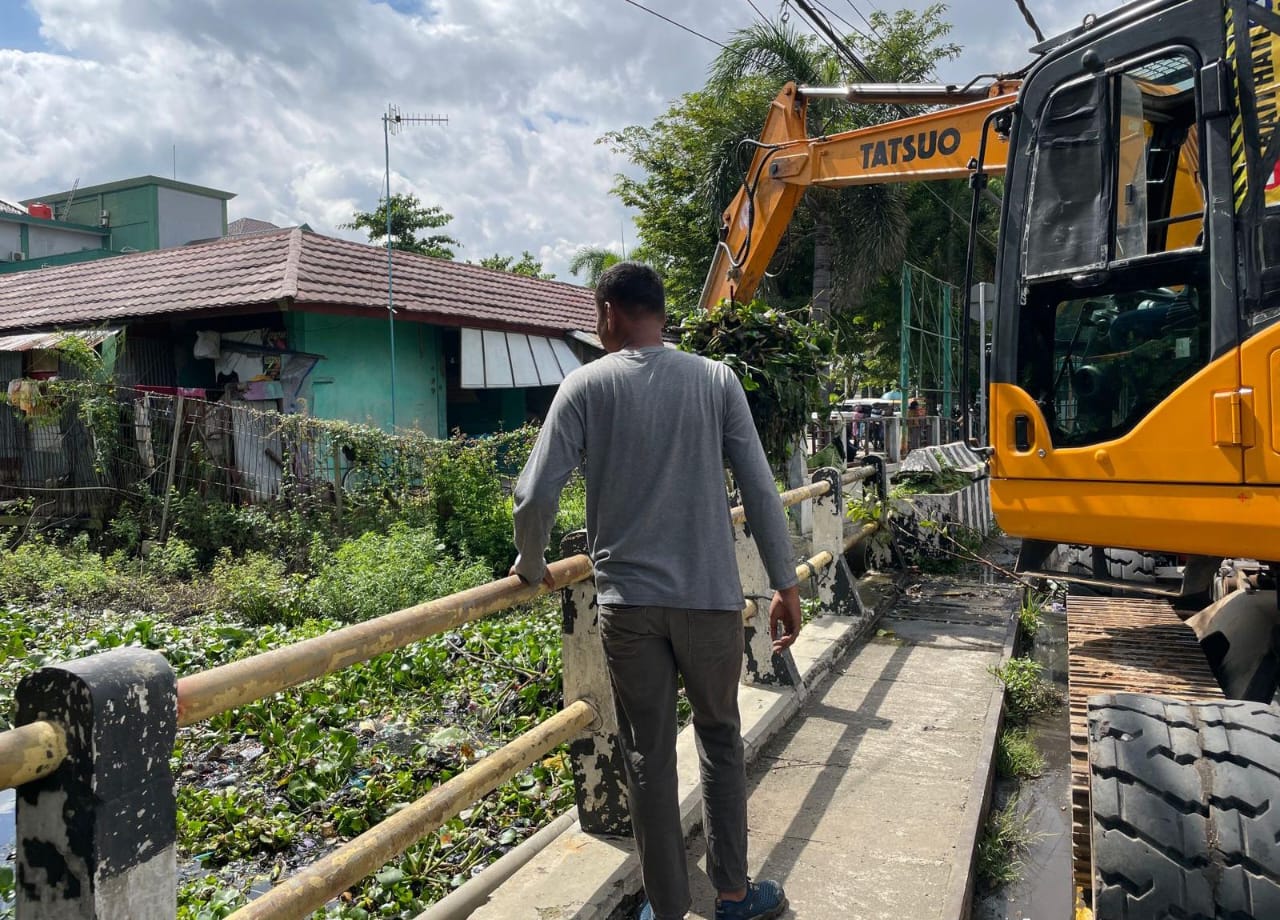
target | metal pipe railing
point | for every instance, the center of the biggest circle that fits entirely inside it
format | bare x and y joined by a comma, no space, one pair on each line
789,498
308,890
806,569
30,752
203,695
37,749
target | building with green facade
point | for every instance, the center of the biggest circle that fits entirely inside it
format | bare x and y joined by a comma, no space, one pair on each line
132,215
298,322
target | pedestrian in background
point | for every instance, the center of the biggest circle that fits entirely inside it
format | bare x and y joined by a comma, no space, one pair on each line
655,427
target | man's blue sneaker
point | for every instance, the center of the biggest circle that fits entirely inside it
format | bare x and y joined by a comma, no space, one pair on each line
646,912
764,901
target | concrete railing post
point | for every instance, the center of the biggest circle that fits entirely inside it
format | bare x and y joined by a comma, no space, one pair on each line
935,430
760,665
599,776
96,839
893,438
837,591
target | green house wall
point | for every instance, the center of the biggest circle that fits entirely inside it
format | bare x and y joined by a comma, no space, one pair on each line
353,382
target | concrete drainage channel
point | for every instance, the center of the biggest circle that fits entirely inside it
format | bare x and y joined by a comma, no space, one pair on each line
563,873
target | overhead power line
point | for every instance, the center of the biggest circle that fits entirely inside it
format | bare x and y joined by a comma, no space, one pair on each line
842,49
678,25
1031,20
863,17
844,22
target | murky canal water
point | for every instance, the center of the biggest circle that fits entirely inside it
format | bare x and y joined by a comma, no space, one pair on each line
1044,891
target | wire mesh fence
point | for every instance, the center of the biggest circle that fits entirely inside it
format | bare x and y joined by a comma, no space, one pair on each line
75,451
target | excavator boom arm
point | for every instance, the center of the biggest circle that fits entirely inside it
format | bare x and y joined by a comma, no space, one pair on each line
936,145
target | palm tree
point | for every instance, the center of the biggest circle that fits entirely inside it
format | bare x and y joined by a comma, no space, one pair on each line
593,260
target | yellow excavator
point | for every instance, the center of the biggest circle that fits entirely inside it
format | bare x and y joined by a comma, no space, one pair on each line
1134,419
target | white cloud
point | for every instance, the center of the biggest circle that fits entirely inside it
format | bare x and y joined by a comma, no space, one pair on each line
281,101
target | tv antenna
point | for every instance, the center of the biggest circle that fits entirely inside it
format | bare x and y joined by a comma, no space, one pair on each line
393,123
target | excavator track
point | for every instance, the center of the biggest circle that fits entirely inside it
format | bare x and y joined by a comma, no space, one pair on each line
1119,645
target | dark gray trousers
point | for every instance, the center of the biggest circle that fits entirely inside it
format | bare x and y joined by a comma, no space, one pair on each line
646,648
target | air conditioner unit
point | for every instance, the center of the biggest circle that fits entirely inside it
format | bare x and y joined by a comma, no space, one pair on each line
17,256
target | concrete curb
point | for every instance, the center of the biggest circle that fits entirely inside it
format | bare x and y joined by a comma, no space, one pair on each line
959,897
580,876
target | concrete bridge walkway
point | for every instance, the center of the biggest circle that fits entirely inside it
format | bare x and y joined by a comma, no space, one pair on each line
867,804
866,788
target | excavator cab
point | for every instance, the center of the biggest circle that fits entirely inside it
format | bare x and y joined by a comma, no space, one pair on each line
1137,356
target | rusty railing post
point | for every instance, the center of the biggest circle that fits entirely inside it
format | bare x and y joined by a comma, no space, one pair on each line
96,838
837,591
599,776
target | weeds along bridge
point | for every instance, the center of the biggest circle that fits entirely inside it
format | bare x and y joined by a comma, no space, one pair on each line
90,758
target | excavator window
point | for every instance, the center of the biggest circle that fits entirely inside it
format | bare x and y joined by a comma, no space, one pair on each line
1117,271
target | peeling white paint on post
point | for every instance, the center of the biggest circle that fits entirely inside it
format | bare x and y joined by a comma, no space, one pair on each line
893,438
96,838
837,591
760,665
599,777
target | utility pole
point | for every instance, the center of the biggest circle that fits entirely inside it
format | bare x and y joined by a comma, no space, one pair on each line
392,121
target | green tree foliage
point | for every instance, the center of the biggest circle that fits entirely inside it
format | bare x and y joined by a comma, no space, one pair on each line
840,242
688,177
780,360
526,265
593,260
409,218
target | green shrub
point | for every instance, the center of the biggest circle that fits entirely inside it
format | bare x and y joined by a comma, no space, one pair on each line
472,509
1026,692
257,589
173,560
378,573
37,568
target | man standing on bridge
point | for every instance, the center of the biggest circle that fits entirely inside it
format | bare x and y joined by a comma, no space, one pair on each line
655,427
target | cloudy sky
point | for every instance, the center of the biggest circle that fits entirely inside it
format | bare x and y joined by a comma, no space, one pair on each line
280,101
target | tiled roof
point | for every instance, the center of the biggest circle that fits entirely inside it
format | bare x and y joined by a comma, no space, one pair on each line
243,225
289,268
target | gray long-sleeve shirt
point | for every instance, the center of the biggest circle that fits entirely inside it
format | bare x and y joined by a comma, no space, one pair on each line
655,427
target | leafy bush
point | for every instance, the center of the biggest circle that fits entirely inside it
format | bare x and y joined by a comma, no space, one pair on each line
257,589
173,560
1026,692
780,361
471,502
378,573
38,568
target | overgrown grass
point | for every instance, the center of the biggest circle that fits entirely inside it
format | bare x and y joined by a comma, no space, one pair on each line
1030,614
1026,692
1017,756
1005,839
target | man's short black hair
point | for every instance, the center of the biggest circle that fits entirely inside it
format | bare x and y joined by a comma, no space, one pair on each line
632,287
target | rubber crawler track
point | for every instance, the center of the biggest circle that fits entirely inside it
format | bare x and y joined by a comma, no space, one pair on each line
1186,808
